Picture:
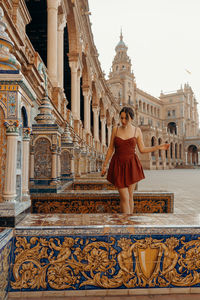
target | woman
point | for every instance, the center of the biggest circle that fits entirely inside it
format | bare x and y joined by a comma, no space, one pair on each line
125,169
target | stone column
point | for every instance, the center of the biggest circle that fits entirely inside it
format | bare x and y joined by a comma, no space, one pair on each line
78,92
54,165
9,192
96,123
74,106
103,130
61,26
59,163
109,132
72,164
86,95
186,156
31,164
52,15
25,164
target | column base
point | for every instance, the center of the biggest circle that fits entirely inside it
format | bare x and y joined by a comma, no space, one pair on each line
9,197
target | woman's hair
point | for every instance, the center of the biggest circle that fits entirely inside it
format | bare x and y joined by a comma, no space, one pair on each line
128,111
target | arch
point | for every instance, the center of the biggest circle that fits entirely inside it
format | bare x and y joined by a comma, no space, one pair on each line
24,117
171,150
172,128
42,159
72,30
154,111
180,151
95,100
192,154
144,106
3,147
85,74
148,108
159,151
37,31
176,150
42,136
151,110
153,143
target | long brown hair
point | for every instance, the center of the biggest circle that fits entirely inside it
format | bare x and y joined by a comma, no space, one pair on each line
128,111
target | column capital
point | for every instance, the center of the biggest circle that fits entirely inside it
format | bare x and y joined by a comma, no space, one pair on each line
73,57
103,119
95,109
26,134
12,127
61,22
73,66
53,4
86,90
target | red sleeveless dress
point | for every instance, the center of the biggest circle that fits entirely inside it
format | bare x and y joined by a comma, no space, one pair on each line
125,167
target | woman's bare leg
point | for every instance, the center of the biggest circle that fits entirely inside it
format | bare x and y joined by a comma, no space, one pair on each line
131,189
124,200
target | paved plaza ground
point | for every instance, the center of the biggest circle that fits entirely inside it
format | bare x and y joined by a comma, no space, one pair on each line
184,183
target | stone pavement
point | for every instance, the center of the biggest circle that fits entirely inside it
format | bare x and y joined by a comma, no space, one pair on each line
184,183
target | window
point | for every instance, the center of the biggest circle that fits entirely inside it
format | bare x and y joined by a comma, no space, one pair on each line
169,113
173,112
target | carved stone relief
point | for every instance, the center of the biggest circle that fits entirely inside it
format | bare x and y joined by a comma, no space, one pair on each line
42,158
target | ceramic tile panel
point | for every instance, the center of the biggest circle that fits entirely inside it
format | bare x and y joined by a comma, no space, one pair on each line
57,263
5,259
89,201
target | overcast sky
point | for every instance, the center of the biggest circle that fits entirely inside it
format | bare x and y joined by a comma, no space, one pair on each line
162,37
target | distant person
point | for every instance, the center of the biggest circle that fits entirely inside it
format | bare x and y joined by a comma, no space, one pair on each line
125,169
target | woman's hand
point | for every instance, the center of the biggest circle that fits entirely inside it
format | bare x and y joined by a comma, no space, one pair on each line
164,146
103,171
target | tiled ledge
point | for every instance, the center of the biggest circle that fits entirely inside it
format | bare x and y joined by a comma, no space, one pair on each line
105,255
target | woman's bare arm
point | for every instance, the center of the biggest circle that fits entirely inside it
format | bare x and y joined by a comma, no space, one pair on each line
144,149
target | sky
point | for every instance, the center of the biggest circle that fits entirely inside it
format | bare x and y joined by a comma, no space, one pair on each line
162,37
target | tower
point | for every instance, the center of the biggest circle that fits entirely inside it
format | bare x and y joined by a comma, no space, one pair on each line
121,79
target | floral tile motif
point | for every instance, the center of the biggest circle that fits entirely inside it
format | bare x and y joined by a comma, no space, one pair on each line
91,202
5,259
115,262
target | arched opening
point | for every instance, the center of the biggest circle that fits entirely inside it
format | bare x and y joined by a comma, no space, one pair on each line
37,28
176,151
153,142
171,150
81,102
67,69
180,151
24,117
172,128
192,155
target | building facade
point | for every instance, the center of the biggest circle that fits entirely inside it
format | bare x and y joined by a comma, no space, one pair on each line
171,118
57,109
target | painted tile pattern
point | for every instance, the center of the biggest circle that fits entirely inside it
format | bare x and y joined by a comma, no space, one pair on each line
101,202
5,258
61,252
